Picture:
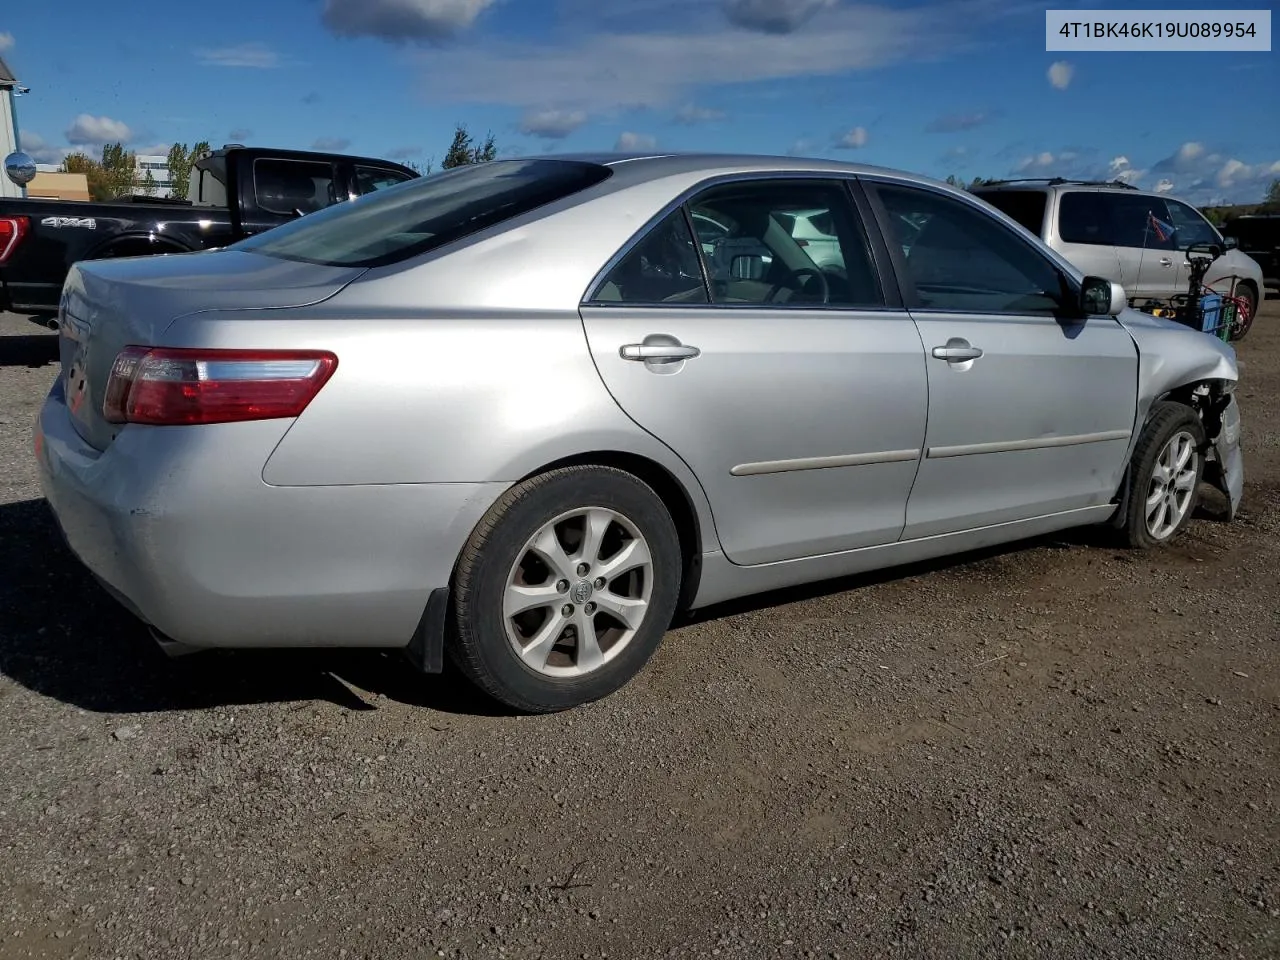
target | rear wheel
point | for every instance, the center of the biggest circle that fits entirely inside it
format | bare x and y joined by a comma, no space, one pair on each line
1244,313
565,589
1165,475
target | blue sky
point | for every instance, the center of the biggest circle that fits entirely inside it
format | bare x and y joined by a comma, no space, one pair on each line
948,86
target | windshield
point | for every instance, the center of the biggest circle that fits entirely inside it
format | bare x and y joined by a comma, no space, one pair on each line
425,213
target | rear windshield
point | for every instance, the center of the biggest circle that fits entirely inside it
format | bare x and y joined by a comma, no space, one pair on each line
1024,206
425,213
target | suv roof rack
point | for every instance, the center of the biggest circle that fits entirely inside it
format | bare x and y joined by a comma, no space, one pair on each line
1056,181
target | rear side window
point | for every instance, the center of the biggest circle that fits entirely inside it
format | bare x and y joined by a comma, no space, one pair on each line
411,218
1082,218
1022,206
662,268
291,187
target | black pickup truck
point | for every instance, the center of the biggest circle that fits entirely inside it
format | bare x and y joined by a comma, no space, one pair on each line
233,192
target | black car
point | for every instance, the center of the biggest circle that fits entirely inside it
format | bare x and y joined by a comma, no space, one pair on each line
1259,236
232,193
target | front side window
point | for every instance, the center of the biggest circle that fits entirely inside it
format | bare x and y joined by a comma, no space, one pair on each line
786,242
965,260
292,187
425,213
662,268
1190,226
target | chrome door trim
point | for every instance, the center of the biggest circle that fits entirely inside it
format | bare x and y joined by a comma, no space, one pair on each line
821,463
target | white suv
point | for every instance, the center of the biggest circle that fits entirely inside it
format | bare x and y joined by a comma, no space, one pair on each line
1133,237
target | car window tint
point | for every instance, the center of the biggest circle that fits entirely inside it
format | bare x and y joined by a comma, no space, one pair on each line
292,186
425,213
1083,218
1190,226
369,179
1140,221
964,259
662,267
785,242
1023,206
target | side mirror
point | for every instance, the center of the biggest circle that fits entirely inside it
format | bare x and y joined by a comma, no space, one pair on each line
747,267
1100,297
1230,243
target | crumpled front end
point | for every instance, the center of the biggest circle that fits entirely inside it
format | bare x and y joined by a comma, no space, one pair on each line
1225,468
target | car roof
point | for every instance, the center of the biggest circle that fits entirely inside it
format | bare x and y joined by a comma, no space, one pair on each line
640,167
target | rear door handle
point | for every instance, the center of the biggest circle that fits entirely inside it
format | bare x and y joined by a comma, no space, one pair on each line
1166,262
658,352
957,351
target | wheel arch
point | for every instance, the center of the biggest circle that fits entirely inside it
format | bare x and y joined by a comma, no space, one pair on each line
137,244
673,494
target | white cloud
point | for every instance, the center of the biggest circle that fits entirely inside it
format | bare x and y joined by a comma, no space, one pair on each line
854,139
253,54
1060,74
774,16
6,41
88,129
1037,162
552,124
1164,186
39,149
629,142
1121,169
691,113
401,21
800,147
611,70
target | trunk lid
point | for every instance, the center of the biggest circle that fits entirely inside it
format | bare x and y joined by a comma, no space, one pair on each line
110,304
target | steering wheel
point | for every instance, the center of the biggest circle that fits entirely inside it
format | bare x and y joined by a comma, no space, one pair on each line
800,272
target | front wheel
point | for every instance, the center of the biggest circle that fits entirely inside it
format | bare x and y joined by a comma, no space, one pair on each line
565,589
1165,475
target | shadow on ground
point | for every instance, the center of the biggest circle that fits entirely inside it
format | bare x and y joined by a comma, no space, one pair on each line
62,636
33,350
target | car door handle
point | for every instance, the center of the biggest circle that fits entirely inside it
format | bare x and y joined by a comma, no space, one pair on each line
1166,262
658,352
957,351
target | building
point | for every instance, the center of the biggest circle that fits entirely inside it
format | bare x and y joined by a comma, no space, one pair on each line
52,185
158,167
8,126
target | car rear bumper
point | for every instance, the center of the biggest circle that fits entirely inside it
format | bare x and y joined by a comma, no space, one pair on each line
212,559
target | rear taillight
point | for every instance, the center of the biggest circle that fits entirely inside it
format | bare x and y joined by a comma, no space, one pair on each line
12,230
168,386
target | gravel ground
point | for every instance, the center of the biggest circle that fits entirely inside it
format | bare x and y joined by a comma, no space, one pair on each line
1056,750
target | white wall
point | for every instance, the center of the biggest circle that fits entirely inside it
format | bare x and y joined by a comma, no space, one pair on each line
8,142
159,167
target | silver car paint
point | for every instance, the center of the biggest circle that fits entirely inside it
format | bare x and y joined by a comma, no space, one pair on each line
477,369
1144,273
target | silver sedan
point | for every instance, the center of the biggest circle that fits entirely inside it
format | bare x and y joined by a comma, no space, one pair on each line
523,412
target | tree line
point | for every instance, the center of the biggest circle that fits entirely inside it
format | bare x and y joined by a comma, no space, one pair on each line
113,173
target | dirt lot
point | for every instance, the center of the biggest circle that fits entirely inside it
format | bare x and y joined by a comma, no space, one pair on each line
1059,750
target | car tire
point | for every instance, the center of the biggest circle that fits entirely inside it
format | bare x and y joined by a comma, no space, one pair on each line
621,581
1245,317
1163,488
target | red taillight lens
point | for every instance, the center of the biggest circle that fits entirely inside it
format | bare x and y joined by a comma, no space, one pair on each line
12,230
167,386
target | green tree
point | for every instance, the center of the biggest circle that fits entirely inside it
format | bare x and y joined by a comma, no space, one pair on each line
118,165
179,164
462,150
149,186
99,187
1273,194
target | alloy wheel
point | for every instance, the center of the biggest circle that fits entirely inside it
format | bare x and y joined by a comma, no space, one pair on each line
1173,485
578,592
